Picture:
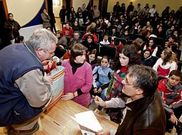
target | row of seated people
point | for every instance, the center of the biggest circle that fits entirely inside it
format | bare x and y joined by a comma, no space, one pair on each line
93,39
110,46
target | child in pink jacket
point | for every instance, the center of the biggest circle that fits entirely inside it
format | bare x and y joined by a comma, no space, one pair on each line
78,76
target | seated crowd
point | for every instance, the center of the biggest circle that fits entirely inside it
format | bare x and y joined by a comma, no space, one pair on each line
97,52
125,38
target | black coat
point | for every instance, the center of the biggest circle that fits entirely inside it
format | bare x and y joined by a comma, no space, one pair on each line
145,117
11,29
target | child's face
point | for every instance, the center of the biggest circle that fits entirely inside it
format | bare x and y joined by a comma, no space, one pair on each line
151,42
67,26
76,23
104,62
105,38
76,36
91,57
174,80
146,54
160,29
81,58
89,39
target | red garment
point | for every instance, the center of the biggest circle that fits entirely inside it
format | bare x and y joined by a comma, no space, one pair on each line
170,96
66,55
119,48
151,49
67,32
163,72
94,37
112,45
123,69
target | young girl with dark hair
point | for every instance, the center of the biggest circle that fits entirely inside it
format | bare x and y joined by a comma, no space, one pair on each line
78,76
102,76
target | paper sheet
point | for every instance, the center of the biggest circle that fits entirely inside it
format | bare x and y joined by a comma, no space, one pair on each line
88,121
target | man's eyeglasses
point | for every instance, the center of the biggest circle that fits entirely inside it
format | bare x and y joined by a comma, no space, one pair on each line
50,52
125,82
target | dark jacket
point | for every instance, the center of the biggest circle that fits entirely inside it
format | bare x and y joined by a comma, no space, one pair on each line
11,29
14,106
146,117
149,61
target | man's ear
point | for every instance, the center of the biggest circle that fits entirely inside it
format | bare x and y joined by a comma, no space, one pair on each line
139,91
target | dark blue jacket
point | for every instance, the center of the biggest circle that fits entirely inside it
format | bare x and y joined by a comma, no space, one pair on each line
15,61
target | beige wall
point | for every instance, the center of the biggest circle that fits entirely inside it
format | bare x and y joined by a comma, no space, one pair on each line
96,2
78,3
56,9
160,4
24,10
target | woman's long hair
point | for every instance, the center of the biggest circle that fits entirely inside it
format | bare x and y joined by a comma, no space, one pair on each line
167,56
131,52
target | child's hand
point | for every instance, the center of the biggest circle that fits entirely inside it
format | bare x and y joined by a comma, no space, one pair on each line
99,90
67,96
95,90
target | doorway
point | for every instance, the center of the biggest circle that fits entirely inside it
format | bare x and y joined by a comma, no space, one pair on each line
103,7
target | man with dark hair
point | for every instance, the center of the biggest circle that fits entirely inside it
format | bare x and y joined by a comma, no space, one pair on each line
143,114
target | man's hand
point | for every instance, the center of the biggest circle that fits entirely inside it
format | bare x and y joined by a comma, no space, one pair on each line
99,101
173,119
103,133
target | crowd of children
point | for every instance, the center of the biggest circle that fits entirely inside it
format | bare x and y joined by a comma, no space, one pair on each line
112,43
127,37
